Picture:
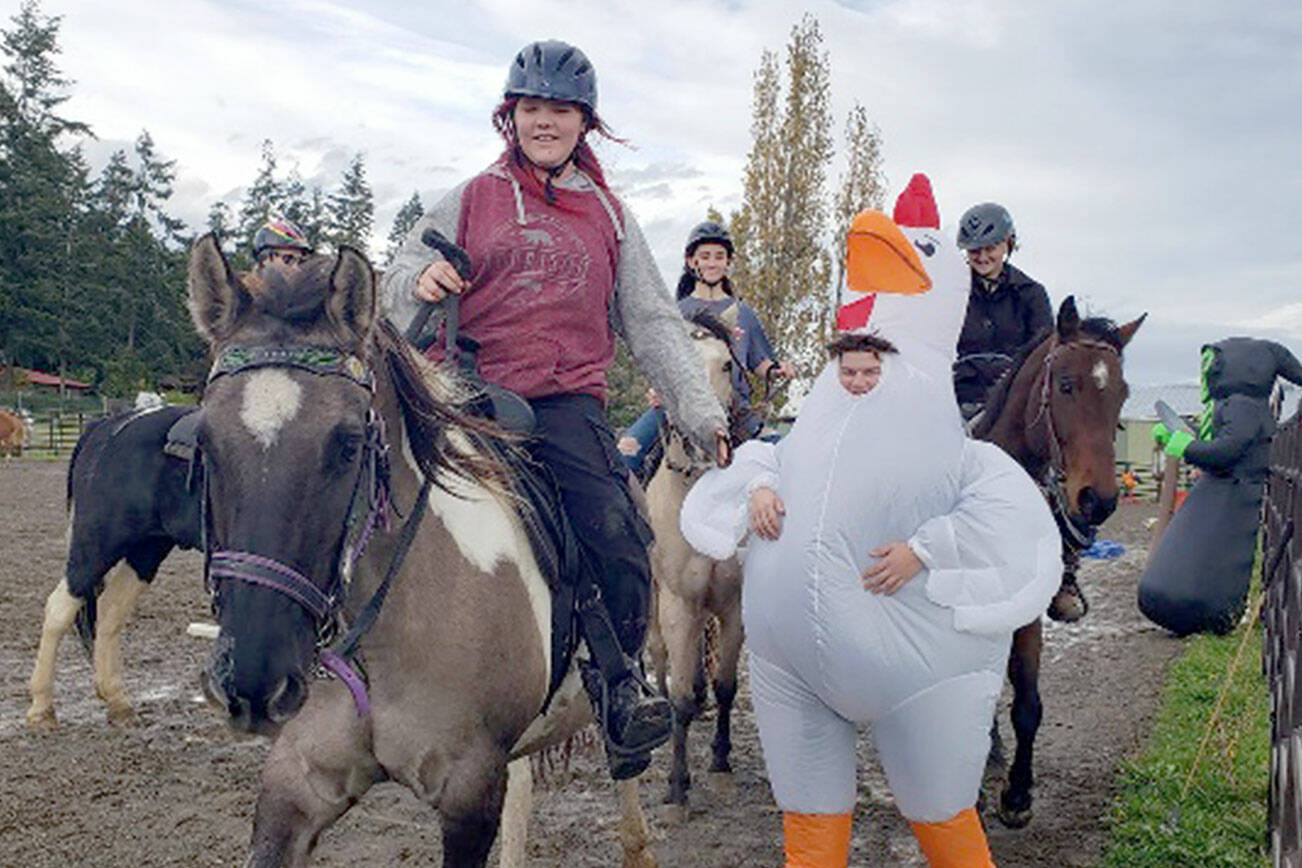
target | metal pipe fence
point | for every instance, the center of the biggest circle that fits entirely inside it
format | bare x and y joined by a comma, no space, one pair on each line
1282,578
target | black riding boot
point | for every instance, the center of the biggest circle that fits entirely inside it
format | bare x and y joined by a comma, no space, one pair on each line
632,722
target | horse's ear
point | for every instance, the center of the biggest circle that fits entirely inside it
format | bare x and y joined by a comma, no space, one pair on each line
351,306
731,316
215,296
1068,318
1128,330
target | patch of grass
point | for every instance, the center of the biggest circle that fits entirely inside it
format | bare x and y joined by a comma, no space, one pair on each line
1164,816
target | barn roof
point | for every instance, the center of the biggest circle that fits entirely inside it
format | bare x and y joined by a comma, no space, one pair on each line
1185,399
40,378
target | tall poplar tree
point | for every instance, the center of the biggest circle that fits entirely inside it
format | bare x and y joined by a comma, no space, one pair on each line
863,187
783,266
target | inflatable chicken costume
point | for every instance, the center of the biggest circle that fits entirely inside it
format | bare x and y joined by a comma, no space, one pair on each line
923,666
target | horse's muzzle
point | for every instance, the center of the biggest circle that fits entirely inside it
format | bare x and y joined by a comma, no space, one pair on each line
262,714
1093,508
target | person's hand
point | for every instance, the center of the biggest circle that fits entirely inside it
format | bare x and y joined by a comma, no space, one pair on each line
897,566
628,446
722,448
653,397
1160,435
786,369
1178,442
437,280
766,511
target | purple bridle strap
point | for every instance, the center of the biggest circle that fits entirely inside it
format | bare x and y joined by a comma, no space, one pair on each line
268,573
344,671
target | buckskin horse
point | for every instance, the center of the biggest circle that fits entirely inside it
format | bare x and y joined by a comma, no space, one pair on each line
690,587
320,424
1055,412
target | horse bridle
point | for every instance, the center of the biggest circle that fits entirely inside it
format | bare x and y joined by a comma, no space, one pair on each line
698,459
1055,474
368,507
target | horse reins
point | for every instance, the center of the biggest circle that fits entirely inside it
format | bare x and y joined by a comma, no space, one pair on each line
1056,472
369,507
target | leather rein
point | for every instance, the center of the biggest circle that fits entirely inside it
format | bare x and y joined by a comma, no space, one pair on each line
1055,474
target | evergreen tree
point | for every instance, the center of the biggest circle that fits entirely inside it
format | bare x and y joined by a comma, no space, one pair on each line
41,190
260,201
407,217
352,209
316,221
221,222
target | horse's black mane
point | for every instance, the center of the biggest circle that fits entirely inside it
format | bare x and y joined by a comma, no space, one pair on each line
1097,327
713,325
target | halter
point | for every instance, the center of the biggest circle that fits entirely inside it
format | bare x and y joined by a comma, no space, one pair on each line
698,460
368,508
1056,472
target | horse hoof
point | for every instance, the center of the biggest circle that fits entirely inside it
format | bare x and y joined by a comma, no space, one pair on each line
676,815
1013,818
124,717
1068,606
42,719
720,765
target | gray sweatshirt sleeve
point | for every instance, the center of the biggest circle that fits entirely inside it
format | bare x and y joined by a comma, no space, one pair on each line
399,281
644,314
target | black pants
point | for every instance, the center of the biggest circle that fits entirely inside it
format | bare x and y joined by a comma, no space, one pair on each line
573,440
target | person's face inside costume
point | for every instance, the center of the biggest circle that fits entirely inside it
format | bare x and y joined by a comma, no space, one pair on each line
988,261
548,131
709,262
859,371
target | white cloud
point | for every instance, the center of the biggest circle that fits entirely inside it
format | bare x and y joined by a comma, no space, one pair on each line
1147,150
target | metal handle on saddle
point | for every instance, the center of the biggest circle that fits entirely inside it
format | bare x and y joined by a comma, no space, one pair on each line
460,260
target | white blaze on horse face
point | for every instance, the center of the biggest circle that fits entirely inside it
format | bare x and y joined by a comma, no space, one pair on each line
271,398
1100,373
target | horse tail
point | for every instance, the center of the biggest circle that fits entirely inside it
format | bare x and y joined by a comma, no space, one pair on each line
86,625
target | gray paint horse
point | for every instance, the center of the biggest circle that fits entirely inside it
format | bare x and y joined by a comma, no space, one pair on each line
457,662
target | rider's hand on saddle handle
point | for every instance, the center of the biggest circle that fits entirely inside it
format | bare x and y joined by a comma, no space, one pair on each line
437,280
766,511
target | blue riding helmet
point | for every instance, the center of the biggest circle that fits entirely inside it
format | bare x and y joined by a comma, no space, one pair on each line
553,70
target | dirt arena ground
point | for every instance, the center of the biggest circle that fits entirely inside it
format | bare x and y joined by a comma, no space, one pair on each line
178,788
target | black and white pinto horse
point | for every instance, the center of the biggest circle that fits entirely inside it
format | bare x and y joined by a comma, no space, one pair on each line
348,488
129,503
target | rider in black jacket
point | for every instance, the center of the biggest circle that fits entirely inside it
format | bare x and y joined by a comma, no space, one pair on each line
1005,311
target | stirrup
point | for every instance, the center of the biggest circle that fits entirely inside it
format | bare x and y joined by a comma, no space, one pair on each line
602,713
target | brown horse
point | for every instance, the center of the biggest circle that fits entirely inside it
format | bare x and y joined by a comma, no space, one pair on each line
690,587
316,418
1056,412
13,434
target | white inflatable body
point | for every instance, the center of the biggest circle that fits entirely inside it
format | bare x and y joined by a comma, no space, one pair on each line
925,665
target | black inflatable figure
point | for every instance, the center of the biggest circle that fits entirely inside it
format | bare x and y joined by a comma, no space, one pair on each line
1197,580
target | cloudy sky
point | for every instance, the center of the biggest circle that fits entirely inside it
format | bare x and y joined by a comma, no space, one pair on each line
1149,151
